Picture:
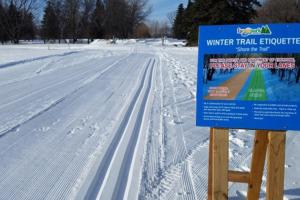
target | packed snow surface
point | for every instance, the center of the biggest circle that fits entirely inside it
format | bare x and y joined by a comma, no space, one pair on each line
111,121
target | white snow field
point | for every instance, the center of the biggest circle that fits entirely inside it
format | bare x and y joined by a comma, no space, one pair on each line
104,121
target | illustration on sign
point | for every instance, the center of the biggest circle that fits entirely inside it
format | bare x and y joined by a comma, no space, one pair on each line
249,77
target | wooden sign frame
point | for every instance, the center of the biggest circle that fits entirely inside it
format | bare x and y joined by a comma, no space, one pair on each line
268,145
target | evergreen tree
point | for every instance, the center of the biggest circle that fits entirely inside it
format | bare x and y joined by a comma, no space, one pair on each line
188,18
85,21
244,11
212,12
3,36
71,19
50,25
58,8
97,21
28,27
178,27
14,23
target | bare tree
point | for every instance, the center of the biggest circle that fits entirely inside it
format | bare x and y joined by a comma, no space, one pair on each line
139,10
122,17
159,29
278,11
25,5
142,31
171,17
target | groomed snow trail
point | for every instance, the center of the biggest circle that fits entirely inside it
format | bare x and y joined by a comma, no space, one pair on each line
111,122
65,118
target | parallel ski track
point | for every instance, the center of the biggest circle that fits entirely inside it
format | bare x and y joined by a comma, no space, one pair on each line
35,178
70,78
11,64
99,74
40,71
107,158
154,153
125,168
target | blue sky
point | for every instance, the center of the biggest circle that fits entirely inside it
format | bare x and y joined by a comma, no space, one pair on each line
160,8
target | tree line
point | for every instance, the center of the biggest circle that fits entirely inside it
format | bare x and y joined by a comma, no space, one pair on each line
217,12
73,19
16,21
93,19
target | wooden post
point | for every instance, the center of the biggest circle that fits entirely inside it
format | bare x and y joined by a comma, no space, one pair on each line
219,176
211,135
276,161
220,164
258,164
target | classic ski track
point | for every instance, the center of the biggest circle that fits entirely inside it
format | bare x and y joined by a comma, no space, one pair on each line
102,71
101,173
62,155
21,137
53,105
153,158
83,143
75,75
126,163
71,77
14,63
47,109
45,65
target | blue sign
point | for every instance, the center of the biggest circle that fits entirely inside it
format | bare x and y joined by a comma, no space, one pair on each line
249,76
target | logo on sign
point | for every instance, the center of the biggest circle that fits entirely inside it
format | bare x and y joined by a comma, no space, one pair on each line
264,30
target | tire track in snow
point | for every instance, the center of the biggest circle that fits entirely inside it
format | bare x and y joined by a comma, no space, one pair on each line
103,168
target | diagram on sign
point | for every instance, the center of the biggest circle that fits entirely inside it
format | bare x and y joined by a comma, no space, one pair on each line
252,77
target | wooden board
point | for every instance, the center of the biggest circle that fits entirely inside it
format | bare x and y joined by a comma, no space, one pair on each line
238,177
220,164
219,176
276,161
257,164
209,195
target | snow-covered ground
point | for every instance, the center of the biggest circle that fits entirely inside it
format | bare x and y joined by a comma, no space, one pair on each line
110,121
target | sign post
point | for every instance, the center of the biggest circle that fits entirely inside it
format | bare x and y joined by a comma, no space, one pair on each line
219,175
249,78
